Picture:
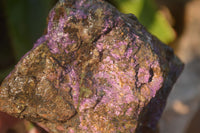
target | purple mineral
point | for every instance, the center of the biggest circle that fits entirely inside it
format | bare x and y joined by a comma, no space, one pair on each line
95,70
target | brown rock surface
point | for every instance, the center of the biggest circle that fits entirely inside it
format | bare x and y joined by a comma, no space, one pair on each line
96,70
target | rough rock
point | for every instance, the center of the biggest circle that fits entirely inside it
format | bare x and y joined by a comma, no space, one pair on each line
95,70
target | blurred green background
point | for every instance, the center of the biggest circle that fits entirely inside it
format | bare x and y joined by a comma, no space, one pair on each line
22,22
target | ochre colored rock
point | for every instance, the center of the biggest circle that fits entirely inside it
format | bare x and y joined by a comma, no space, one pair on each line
95,70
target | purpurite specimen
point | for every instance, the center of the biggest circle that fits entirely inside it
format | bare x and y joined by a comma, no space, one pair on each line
95,70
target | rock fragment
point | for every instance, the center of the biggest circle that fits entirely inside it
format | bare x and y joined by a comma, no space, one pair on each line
96,70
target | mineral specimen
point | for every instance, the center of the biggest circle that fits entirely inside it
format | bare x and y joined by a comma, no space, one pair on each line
95,70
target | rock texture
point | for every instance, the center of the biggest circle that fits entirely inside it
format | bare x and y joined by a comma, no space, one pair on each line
95,70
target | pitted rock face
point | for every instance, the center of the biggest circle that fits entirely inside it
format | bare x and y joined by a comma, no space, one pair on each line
96,70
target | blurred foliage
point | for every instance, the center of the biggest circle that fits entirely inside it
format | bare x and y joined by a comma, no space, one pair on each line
148,14
26,20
